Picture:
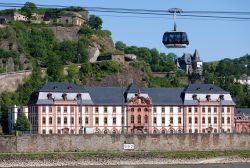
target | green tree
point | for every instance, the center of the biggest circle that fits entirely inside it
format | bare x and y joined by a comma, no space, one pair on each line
73,72
7,99
22,123
86,30
95,22
55,68
28,9
119,45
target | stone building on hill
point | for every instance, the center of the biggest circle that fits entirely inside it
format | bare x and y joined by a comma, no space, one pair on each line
190,63
63,108
69,18
12,16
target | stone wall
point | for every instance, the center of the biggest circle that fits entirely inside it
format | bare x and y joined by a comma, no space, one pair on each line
11,81
41,143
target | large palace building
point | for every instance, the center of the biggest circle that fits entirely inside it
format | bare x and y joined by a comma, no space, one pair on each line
62,108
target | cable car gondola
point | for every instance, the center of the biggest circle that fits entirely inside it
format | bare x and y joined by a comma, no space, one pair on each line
175,39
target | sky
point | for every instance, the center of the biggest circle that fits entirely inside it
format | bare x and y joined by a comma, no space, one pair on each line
214,39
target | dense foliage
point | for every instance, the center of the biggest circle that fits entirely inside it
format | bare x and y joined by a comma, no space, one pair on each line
22,123
95,22
225,74
99,70
159,62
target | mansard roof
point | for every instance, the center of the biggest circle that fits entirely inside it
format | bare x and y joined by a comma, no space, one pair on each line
204,88
117,95
62,87
165,96
106,95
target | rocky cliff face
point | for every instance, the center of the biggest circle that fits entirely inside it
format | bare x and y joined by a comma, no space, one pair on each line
128,75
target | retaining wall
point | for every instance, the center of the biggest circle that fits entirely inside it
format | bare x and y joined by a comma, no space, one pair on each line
42,143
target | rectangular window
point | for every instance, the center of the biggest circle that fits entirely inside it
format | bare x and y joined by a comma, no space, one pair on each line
65,120
228,109
179,120
72,120
114,120
86,120
190,120
86,110
171,109
222,109
44,120
58,109
215,110
196,120
96,120
58,120
209,109
179,109
222,120
50,109
215,120
114,109
72,109
203,109
189,109
171,120
154,109
228,120
132,119
80,120
123,120
96,109
155,120
209,120
105,109
50,120
44,109
65,109
203,120
195,109
163,120
163,109
105,120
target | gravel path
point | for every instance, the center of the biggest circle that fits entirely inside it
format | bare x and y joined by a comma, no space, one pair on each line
85,162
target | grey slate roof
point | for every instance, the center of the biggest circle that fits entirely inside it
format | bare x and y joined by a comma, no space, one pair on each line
62,87
204,88
106,95
246,111
165,96
196,56
113,95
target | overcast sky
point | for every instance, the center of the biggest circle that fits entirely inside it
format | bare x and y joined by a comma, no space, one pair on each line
214,39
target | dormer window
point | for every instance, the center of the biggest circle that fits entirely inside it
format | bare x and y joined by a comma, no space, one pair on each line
69,87
221,97
64,96
194,97
55,87
49,96
79,96
198,88
208,97
211,89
